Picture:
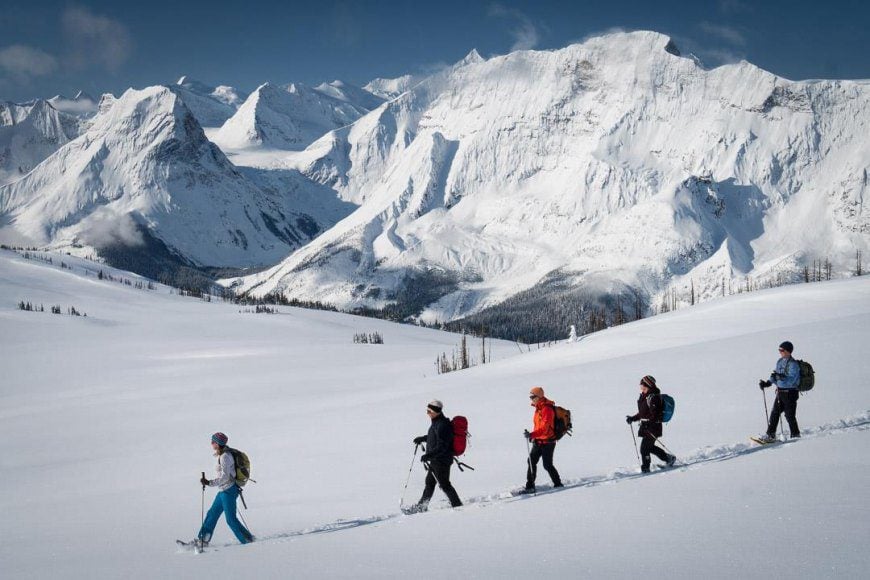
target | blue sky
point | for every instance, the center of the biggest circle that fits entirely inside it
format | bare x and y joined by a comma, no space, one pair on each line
100,46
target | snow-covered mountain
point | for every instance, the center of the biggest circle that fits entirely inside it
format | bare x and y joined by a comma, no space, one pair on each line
211,106
29,133
290,117
612,166
389,89
352,94
144,169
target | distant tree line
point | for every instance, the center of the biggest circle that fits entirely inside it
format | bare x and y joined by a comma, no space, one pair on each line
370,338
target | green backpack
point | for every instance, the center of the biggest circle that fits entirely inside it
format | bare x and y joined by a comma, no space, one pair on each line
243,466
808,375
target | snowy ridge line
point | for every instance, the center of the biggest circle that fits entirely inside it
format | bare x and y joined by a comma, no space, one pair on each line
859,422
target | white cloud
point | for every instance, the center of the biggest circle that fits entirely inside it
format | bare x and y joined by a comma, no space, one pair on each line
95,40
104,228
24,62
524,32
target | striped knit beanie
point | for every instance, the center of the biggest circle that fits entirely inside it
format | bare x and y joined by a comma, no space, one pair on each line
648,381
220,439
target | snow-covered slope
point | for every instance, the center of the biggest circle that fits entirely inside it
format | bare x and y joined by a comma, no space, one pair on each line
389,89
211,106
352,94
606,165
146,165
289,118
106,419
28,134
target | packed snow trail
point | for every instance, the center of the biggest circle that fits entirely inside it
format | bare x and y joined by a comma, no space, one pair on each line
859,422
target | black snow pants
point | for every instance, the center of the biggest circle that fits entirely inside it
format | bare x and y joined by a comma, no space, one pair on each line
647,446
786,402
439,472
545,451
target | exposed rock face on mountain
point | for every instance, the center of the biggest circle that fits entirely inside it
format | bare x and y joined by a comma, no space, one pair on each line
610,168
144,172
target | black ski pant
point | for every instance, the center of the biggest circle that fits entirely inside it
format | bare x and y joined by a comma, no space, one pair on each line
647,446
545,451
439,472
786,402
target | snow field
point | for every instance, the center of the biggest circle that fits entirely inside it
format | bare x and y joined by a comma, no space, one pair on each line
106,419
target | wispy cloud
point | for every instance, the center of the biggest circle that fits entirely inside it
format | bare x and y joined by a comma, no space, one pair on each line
23,63
729,34
525,33
94,39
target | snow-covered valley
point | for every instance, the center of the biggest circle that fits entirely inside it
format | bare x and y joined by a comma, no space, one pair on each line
106,420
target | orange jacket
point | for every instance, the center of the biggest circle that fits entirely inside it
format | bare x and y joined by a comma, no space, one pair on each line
545,420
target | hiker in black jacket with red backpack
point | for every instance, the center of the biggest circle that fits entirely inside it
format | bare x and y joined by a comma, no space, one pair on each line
438,457
649,413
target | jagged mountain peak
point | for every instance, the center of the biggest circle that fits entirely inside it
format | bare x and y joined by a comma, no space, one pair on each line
289,117
473,57
145,168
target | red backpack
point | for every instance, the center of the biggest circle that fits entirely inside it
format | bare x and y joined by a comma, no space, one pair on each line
460,434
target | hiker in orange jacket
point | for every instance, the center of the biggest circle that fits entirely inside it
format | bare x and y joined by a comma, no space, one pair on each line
543,439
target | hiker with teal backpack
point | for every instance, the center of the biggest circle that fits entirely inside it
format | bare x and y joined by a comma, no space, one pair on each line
651,411
225,500
789,381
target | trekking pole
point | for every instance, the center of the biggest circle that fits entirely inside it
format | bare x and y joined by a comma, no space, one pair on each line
529,460
408,479
766,412
663,446
634,439
202,510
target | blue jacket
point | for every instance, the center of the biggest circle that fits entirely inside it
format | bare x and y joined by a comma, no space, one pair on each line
790,370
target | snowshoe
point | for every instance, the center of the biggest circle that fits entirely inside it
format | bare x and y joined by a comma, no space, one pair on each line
417,508
764,439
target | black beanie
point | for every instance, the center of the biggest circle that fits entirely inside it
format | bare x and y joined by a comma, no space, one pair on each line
787,346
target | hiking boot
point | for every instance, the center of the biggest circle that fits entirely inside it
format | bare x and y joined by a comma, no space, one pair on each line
671,460
557,485
795,435
527,490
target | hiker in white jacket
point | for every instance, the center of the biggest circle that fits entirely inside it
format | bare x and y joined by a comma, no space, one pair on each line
225,500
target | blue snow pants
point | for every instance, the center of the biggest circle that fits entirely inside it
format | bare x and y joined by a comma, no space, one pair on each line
224,503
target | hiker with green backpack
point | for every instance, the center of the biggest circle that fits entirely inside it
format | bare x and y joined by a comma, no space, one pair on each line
650,413
787,378
225,501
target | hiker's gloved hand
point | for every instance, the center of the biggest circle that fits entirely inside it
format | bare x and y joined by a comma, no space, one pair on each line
774,376
425,458
764,384
527,435
203,481
629,419
419,440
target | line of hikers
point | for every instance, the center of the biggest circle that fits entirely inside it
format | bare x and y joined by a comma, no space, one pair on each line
440,452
